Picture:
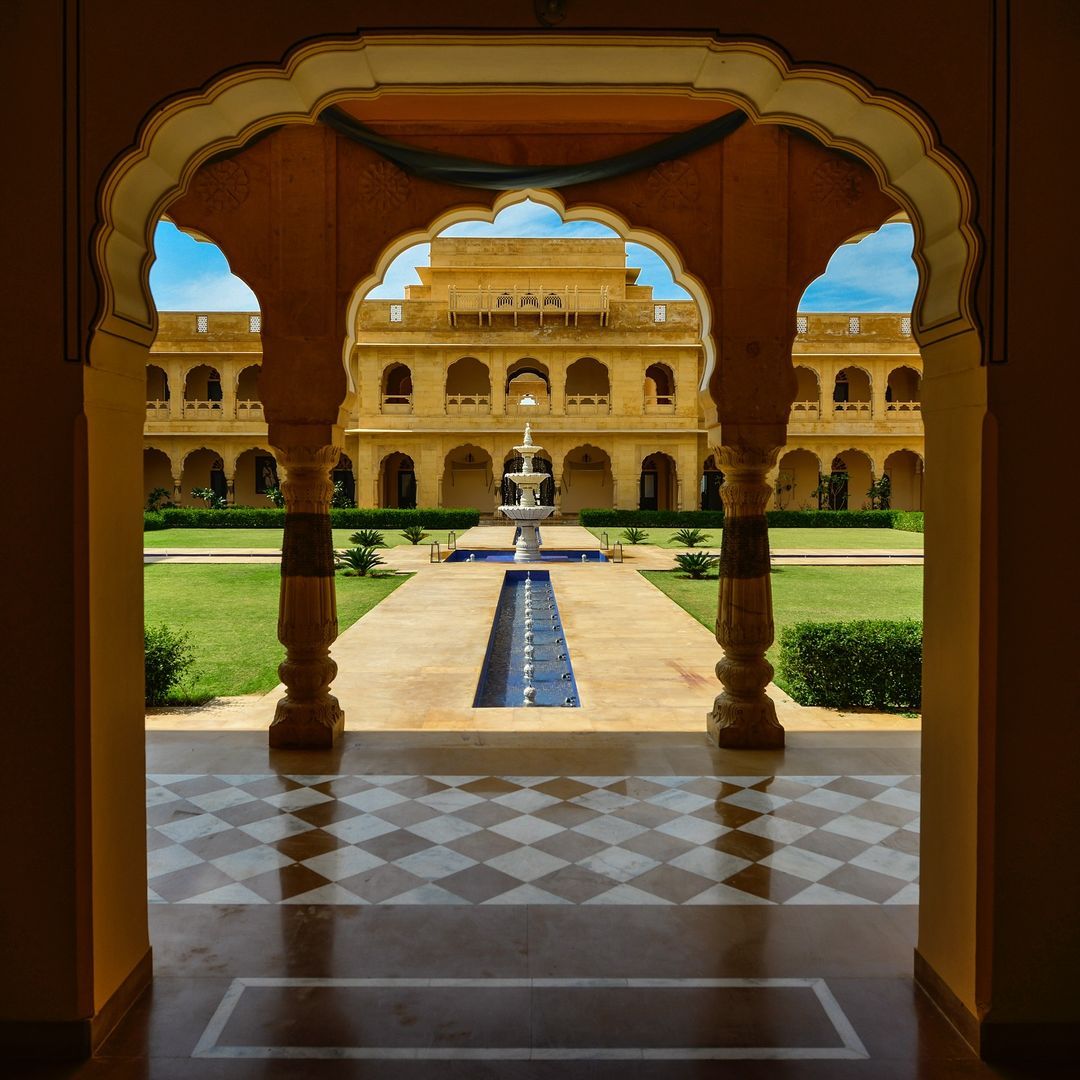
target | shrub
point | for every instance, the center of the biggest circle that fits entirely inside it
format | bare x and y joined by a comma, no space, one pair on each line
908,520
152,520
209,496
245,517
158,499
691,538
871,663
413,533
656,519
830,519
276,496
370,538
696,563
168,656
634,535
357,561
339,500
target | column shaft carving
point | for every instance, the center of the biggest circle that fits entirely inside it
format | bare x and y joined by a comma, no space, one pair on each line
309,716
743,716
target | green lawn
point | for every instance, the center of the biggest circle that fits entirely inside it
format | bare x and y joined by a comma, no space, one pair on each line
781,539
811,593
257,538
230,613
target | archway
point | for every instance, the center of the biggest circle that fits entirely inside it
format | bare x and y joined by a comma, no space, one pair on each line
344,481
657,486
508,490
807,403
588,388
248,401
712,480
659,390
157,476
397,481
902,395
204,470
202,393
528,388
852,390
397,389
904,468
254,474
586,479
797,481
468,387
846,487
468,480
157,393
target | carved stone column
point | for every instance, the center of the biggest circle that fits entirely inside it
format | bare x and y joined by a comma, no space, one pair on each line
177,489
308,717
743,716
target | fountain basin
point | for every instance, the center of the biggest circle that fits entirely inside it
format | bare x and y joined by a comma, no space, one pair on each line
496,555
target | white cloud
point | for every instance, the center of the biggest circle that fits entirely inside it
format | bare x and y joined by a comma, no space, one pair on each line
876,274
206,292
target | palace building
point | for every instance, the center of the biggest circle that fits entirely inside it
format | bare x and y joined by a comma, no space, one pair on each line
557,332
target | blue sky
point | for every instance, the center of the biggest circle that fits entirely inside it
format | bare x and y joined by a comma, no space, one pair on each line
876,274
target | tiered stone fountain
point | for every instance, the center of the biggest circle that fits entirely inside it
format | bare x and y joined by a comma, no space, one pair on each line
528,512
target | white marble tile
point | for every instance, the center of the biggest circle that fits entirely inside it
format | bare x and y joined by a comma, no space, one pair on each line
772,828
694,830
435,862
299,799
810,781
671,781
725,894
527,894
897,864
627,894
909,894
326,894
155,796
914,826
822,894
598,781
682,802
222,798
618,863
761,801
870,832
831,800
227,894
357,829
382,781
446,802
454,781
441,829
709,863
602,801
798,862
192,827
527,801
343,862
907,800
276,828
884,781
164,860
526,829
612,830
240,865
529,781
527,863
239,779
311,781
427,894
171,778
743,781
375,798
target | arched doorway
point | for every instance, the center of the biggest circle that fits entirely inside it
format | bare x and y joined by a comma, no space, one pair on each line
847,485
852,393
586,479
659,389
344,481
798,481
712,480
903,393
657,486
468,480
904,468
508,490
397,481
397,388
204,470
468,387
157,393
588,388
254,474
528,388
248,402
807,403
157,477
202,393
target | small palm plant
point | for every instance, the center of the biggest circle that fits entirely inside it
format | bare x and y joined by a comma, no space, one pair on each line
634,535
357,561
370,538
414,533
696,563
691,538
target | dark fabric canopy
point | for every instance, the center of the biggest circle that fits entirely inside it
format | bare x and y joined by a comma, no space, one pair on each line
464,172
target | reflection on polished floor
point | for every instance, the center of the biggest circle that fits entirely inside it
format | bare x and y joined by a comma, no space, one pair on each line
529,905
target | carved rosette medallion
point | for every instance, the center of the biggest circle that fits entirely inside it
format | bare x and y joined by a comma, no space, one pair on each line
836,183
674,183
383,186
222,186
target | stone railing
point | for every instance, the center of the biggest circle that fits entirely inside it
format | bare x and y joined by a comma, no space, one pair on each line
468,404
564,303
903,406
249,410
588,404
514,406
853,410
202,410
157,410
659,404
805,410
396,403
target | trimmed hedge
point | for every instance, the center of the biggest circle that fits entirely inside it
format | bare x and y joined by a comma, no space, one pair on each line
907,520
241,517
865,664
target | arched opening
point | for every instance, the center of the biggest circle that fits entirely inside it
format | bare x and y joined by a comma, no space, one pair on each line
904,468
528,388
397,388
157,477
851,393
397,481
202,393
903,393
659,389
468,387
468,478
157,393
508,490
248,401
586,479
712,480
204,470
344,480
657,490
588,388
798,481
847,484
254,474
807,403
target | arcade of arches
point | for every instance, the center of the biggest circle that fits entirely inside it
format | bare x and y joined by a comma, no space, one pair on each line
997,940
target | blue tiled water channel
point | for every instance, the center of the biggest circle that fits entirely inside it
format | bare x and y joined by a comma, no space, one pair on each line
505,677
492,555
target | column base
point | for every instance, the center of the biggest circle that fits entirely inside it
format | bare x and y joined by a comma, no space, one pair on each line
745,725
307,725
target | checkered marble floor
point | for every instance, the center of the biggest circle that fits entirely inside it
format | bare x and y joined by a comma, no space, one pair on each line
266,839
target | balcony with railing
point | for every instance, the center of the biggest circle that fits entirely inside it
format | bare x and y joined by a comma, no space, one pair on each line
853,410
659,404
396,403
249,410
806,410
468,404
587,405
529,404
898,408
202,410
563,304
157,410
